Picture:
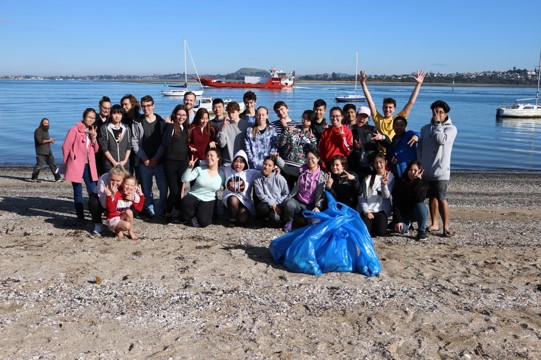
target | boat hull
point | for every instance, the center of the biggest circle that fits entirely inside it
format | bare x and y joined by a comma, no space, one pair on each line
181,92
350,98
272,83
531,111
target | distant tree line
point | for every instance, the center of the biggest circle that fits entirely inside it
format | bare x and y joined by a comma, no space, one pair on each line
509,77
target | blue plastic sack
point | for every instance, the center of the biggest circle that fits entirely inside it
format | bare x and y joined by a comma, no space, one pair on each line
339,242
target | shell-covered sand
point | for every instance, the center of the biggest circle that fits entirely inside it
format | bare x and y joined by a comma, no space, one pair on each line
183,292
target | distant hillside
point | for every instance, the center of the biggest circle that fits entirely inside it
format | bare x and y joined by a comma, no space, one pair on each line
242,72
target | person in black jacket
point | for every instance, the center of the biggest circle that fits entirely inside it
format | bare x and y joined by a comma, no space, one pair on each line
344,186
175,141
409,194
366,139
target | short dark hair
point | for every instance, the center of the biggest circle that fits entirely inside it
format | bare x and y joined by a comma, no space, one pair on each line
217,101
189,93
249,95
320,102
440,104
279,104
147,98
389,101
116,109
400,118
348,107
232,106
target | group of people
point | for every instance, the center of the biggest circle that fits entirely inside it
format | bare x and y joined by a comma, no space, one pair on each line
270,171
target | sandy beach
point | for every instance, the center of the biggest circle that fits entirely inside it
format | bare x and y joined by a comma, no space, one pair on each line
190,293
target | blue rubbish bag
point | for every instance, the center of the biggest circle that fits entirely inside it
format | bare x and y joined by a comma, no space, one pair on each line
339,242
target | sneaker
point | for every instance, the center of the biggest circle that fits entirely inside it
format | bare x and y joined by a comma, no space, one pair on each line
195,223
98,228
421,235
58,179
288,226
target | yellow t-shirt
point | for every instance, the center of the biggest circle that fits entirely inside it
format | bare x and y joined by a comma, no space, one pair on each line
385,126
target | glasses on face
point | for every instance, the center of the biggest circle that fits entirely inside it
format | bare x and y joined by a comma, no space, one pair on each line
438,112
336,116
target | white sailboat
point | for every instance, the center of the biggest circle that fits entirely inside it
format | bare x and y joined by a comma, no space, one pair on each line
180,90
522,108
352,97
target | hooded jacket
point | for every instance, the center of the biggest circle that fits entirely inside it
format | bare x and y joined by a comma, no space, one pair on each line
240,183
272,189
434,149
108,142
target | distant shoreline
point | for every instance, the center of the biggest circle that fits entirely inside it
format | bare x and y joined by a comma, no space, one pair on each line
306,82
342,82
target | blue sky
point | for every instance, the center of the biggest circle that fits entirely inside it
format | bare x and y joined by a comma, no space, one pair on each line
72,37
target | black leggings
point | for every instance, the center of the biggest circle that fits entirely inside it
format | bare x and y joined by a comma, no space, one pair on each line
95,208
202,210
173,173
378,225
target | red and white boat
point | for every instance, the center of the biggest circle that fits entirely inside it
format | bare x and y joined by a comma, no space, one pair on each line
277,79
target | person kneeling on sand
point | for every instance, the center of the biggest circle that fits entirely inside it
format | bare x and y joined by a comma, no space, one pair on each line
96,201
119,212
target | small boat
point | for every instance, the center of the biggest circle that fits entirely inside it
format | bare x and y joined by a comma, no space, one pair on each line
346,98
522,109
206,103
277,79
180,90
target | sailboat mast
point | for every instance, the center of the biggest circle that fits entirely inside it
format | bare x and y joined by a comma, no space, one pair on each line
356,70
185,67
538,79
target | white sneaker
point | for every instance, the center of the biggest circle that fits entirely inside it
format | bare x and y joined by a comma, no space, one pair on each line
97,229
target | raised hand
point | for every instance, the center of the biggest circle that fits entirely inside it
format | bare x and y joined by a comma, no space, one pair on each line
356,144
192,161
329,182
362,76
347,175
420,77
385,179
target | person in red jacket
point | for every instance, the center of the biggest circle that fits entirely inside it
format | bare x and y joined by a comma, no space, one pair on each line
119,212
201,135
335,140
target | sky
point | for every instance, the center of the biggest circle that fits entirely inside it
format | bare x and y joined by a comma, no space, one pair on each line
117,37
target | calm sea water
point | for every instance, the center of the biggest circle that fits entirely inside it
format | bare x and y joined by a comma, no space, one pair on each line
483,143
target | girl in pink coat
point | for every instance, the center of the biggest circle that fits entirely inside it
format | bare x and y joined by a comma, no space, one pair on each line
79,149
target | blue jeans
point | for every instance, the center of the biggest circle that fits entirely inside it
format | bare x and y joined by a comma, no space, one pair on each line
78,192
146,173
420,214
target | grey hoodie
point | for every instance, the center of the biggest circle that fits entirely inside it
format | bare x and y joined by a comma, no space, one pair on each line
272,189
434,149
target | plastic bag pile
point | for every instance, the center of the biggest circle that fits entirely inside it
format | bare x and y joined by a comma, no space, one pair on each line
339,242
